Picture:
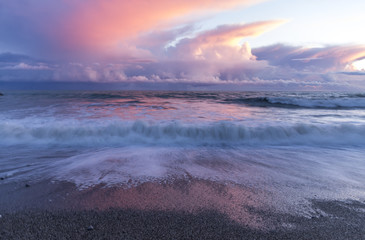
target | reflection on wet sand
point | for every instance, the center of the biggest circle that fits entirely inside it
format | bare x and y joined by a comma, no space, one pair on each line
192,196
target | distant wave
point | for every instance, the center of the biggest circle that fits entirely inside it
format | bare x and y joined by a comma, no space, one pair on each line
222,133
260,99
295,102
103,96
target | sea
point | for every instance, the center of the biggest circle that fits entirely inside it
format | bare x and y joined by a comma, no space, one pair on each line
297,145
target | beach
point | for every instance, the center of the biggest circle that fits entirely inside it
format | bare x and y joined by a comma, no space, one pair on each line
165,211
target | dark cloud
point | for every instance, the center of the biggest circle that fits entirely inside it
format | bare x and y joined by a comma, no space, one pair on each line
14,58
358,73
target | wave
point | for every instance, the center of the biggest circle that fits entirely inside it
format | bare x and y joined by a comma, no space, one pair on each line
295,102
117,133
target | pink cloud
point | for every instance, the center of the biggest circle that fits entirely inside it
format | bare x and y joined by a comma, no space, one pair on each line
82,28
100,23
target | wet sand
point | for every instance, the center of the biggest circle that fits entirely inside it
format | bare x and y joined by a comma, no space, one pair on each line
180,209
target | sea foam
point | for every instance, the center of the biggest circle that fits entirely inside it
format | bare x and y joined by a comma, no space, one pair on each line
124,133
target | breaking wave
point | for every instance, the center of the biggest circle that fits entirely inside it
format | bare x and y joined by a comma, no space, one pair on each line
120,133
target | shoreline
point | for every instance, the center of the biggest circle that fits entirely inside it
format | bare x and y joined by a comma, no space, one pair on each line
182,209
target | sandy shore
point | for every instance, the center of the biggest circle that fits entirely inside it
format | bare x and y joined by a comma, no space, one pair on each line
181,209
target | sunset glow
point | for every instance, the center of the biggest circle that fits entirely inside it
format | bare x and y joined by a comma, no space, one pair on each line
205,41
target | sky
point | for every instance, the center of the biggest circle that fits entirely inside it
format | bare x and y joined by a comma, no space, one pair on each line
183,44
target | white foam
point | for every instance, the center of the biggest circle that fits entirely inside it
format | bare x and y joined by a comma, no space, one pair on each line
135,165
120,133
279,169
112,166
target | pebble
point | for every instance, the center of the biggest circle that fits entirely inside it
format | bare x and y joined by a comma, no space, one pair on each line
90,228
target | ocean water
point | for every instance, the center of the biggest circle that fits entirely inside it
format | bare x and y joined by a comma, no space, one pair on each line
294,144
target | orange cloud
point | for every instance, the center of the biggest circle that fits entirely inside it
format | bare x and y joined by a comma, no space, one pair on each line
345,53
222,43
233,34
